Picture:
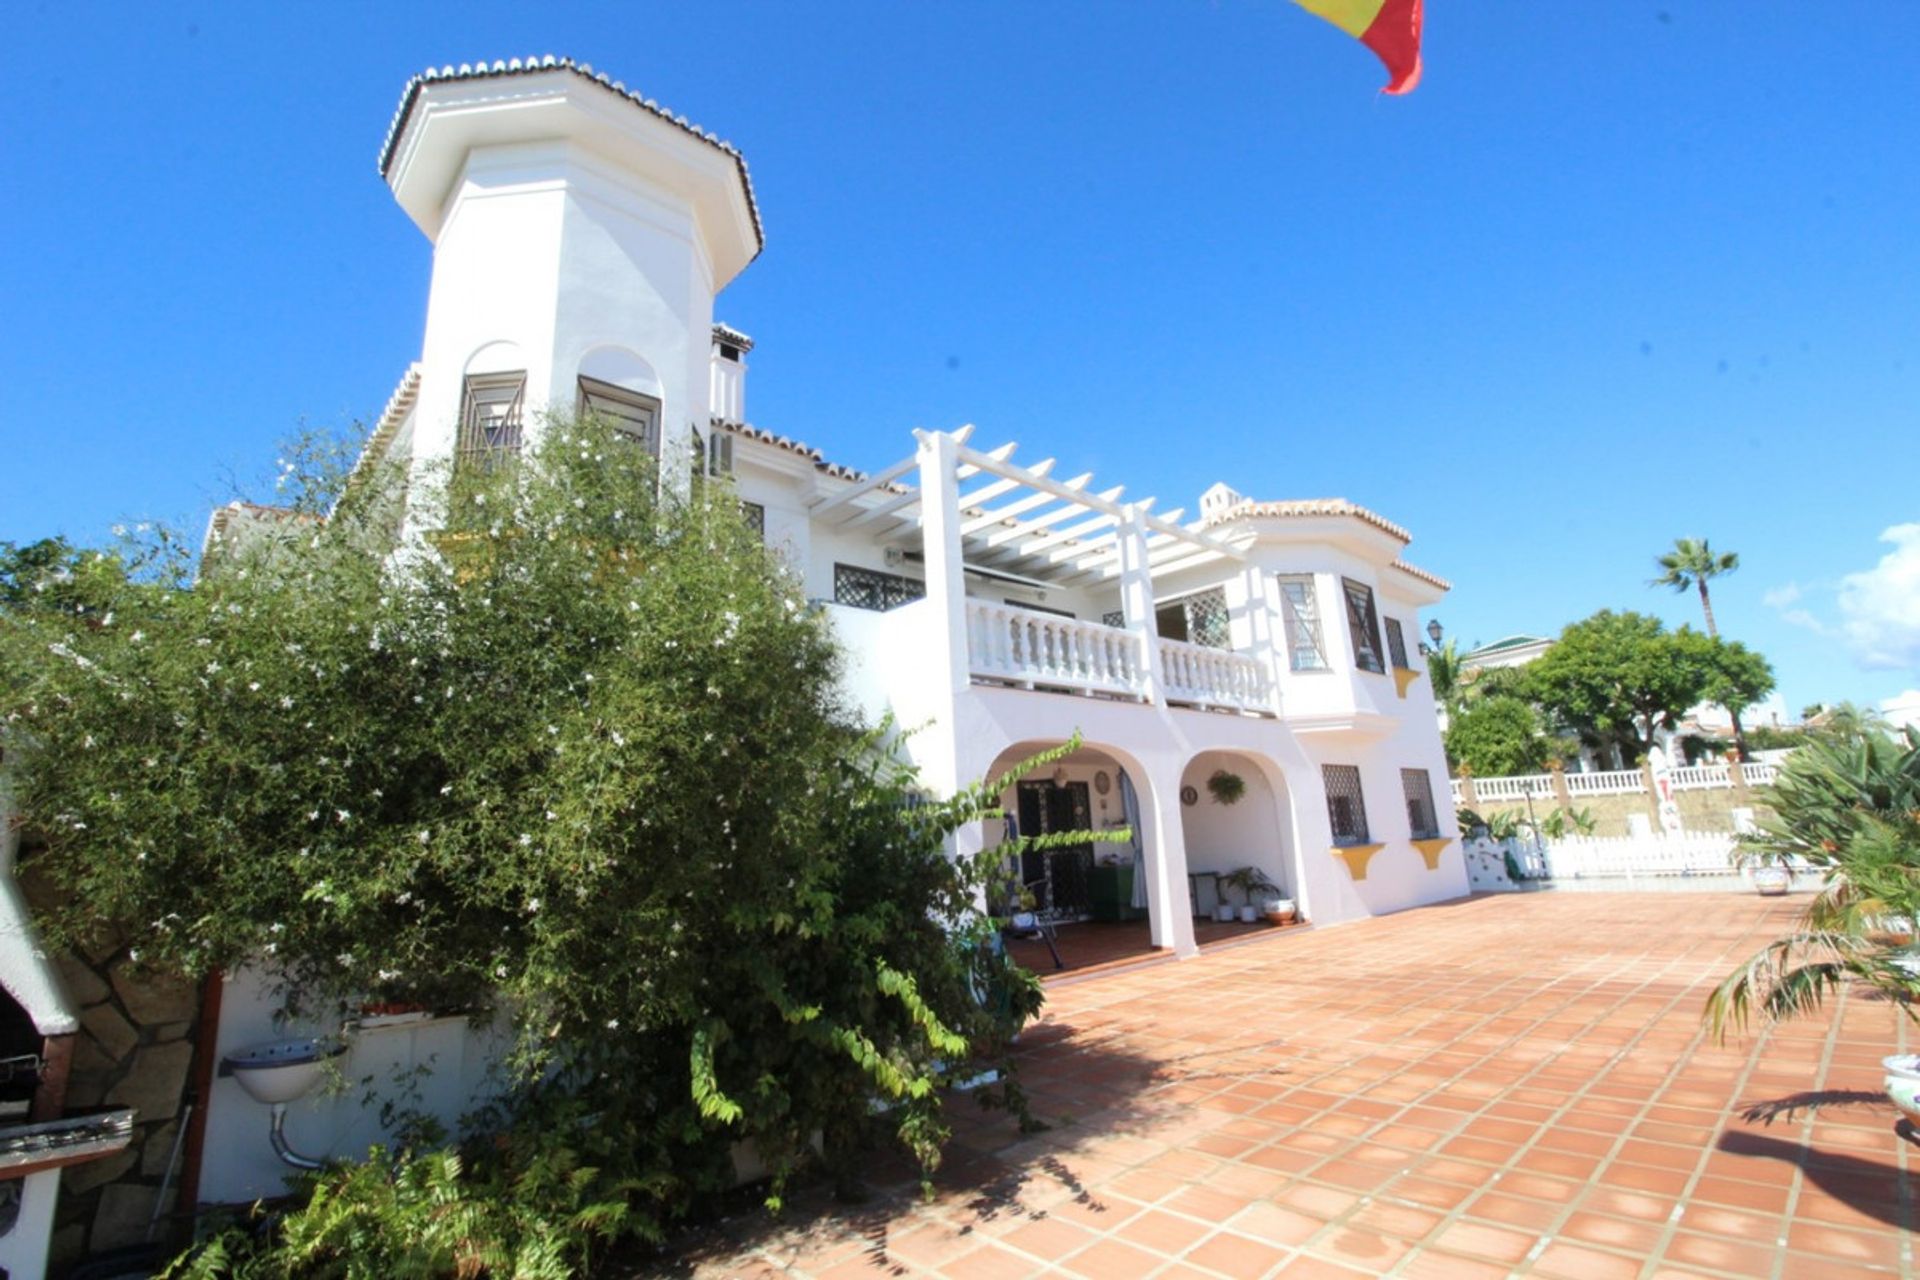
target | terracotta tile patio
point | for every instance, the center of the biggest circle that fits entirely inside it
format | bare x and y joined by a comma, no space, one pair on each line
1495,1087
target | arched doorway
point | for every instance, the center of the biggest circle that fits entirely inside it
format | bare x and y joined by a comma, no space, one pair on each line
1093,897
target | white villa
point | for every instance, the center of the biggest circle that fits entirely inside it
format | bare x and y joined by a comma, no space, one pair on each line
581,235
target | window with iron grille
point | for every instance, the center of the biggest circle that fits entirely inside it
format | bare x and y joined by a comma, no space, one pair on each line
1346,806
1199,619
860,588
1363,623
1113,618
634,418
1396,644
490,411
1301,609
754,516
1421,818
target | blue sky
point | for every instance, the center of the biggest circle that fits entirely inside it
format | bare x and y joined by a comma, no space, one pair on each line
1614,273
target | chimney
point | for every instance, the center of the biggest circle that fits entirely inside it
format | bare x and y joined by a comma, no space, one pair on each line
1219,500
729,379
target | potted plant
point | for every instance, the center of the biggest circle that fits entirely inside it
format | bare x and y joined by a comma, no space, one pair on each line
1226,788
1247,881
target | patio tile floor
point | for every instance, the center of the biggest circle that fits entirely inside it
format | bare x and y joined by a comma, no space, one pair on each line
1503,1086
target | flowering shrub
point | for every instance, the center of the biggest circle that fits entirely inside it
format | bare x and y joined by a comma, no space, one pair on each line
578,754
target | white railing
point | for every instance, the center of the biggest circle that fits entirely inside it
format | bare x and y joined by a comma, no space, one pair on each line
1029,648
1681,854
1701,777
1215,678
1686,861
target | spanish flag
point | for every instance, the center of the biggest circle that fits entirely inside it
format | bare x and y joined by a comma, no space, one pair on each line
1391,28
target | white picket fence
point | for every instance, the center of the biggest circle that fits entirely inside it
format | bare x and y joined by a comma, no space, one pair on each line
1539,786
1691,860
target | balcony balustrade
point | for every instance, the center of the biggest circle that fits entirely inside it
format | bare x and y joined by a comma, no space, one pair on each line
1030,649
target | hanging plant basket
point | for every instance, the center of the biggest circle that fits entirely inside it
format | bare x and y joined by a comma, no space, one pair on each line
1226,788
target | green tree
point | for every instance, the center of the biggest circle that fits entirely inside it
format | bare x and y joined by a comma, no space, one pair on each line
1497,736
592,767
1692,564
1737,679
1622,677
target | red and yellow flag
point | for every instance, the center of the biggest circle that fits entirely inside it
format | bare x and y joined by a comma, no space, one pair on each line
1391,28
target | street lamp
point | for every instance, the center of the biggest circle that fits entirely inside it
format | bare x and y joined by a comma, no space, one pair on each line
1434,632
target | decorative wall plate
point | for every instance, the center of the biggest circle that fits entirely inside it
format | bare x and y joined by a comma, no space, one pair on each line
1189,796
1102,783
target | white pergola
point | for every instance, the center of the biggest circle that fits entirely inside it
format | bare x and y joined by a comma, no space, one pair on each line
1016,522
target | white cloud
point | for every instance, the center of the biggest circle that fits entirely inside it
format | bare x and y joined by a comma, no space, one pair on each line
1780,597
1902,709
1880,607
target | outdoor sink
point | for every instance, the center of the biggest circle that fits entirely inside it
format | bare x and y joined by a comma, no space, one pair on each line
280,1071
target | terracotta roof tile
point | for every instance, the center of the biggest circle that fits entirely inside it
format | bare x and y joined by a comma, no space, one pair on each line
800,447
1307,507
1414,571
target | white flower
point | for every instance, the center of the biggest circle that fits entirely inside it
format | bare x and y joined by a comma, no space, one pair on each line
253,686
613,1024
134,955
499,971
447,790
525,839
213,668
286,702
346,960
533,905
138,636
341,814
552,816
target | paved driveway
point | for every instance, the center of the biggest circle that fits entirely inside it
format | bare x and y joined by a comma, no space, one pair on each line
1501,1086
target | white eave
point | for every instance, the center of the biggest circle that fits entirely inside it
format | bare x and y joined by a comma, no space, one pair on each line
524,100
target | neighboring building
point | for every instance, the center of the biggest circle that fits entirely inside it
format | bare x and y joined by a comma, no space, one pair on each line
580,234
1514,651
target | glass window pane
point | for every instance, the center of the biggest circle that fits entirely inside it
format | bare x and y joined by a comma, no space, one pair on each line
1301,609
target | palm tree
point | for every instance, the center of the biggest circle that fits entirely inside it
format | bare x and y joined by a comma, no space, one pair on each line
1690,564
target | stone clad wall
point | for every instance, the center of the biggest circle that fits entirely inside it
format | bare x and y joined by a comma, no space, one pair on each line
135,1049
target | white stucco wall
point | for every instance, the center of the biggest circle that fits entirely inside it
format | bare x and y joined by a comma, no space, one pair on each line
239,1165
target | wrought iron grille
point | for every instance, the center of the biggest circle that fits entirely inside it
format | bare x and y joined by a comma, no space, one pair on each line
861,588
1301,609
1207,619
1421,819
1113,618
632,417
1396,644
1363,621
1346,806
490,413
754,516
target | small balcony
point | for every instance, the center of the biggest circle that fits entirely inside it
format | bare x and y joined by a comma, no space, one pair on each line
1030,649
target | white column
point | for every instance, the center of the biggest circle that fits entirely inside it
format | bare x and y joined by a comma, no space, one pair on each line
940,544
1136,603
1169,904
